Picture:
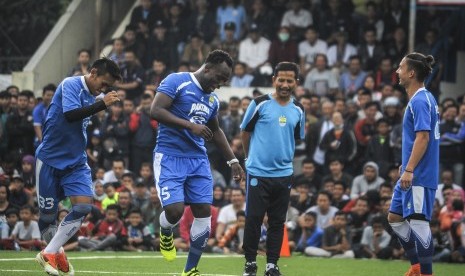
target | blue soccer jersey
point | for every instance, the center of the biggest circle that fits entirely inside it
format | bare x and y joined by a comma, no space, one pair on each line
274,129
191,103
63,145
422,114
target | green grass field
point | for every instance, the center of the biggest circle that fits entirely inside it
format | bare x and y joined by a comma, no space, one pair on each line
147,263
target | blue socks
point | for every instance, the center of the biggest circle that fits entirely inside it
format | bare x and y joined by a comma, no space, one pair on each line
200,232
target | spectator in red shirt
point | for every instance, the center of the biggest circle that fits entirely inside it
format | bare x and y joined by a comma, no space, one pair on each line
106,232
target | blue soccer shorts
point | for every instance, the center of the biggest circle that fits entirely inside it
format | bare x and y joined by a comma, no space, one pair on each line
415,200
182,179
53,185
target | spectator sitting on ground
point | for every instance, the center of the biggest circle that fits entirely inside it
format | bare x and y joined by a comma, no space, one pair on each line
106,233
139,237
11,218
26,232
227,214
311,236
375,241
336,240
233,237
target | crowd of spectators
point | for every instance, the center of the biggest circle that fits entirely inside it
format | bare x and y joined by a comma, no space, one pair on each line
345,170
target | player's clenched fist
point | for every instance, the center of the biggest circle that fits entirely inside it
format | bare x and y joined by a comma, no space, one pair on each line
110,98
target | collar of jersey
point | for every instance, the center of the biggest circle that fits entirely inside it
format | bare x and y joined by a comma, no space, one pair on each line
419,89
83,80
194,79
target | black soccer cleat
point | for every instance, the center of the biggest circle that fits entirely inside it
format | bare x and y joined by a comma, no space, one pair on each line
250,269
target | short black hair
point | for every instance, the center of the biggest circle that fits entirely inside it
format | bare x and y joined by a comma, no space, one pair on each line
11,211
386,184
238,189
113,207
312,214
234,99
308,160
382,120
49,87
339,182
5,95
340,213
85,51
26,93
287,66
421,64
135,211
27,207
370,104
328,194
146,96
216,57
377,220
240,213
105,65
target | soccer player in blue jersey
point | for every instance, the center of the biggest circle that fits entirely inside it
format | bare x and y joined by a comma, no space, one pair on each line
187,110
61,160
269,130
413,198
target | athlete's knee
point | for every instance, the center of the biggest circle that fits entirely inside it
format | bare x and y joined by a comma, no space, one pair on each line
174,212
201,210
79,211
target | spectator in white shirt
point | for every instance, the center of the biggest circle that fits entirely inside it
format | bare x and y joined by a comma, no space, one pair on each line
308,49
297,19
253,51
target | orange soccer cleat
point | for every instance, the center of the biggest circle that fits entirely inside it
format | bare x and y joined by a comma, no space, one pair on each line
48,262
63,266
414,270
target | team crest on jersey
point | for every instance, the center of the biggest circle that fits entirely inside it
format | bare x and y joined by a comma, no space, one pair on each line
282,120
211,100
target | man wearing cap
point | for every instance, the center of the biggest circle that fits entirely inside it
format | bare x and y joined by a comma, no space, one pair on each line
161,46
253,50
229,44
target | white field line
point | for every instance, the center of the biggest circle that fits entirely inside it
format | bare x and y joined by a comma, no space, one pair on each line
111,272
125,257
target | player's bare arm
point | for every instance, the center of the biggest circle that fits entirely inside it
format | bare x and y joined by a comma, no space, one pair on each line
222,143
419,148
245,137
159,111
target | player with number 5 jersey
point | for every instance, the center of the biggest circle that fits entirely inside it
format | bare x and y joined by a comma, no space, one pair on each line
187,110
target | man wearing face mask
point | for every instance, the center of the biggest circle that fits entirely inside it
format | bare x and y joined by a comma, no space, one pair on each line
283,48
144,130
